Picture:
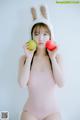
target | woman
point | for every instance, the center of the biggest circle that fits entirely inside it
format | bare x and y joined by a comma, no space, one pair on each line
41,71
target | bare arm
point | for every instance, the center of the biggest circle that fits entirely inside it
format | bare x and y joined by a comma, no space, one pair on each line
59,61
58,70
24,71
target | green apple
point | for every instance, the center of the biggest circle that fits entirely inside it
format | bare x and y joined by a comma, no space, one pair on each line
32,45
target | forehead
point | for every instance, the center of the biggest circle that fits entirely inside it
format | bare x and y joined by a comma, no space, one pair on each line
39,28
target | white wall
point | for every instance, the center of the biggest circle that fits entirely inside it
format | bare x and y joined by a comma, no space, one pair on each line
14,21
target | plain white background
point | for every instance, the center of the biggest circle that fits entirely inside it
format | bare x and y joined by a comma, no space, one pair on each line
15,19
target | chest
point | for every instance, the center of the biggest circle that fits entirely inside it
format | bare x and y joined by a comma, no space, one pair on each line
41,73
41,65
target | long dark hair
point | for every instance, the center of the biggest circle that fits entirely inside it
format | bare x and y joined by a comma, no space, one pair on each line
44,26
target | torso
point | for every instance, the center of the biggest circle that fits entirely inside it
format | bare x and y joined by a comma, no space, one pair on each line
41,75
41,85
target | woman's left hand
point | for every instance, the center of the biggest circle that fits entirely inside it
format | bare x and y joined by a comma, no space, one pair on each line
53,53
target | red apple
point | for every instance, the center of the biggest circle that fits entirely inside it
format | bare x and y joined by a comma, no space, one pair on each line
50,45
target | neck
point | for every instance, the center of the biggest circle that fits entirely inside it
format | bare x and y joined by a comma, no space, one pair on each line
41,51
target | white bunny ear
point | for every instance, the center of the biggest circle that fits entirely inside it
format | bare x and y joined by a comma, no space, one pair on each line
33,12
43,10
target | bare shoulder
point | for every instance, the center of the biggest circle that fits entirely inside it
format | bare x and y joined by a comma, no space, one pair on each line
22,59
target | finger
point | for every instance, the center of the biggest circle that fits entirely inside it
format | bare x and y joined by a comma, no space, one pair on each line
25,46
27,43
28,47
55,51
34,49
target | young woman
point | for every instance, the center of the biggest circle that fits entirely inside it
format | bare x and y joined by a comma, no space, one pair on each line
41,71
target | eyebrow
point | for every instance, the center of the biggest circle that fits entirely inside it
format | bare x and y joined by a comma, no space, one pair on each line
47,31
39,31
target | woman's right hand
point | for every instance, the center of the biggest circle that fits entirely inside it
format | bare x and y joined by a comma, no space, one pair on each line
29,54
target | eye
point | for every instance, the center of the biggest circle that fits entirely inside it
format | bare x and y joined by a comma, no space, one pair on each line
36,34
45,34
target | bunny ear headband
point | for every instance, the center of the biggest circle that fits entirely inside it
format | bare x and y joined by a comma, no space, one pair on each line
42,10
42,18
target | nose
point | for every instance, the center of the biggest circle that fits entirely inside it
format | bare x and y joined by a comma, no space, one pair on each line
41,38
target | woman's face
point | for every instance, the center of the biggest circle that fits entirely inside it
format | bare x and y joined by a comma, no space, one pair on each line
41,35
